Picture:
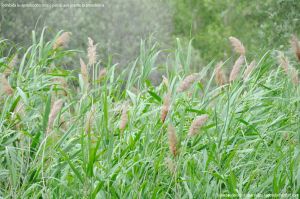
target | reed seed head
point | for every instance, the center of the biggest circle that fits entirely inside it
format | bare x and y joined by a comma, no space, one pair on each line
63,85
172,139
63,40
56,107
294,75
84,71
91,52
187,82
102,73
11,65
5,86
124,118
171,165
90,119
237,45
219,74
295,46
249,69
236,68
165,107
197,124
283,62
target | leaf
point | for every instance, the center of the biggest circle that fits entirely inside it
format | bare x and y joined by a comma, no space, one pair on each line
155,96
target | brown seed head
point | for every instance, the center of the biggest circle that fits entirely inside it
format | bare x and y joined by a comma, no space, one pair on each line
237,45
171,165
219,74
236,68
172,139
124,118
165,107
102,73
294,75
11,65
91,52
56,107
187,82
90,119
295,46
197,124
249,69
5,86
284,62
63,40
84,71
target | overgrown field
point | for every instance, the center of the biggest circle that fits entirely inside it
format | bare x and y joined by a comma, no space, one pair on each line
89,131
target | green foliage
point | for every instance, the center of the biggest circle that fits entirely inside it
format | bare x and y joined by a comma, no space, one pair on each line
260,25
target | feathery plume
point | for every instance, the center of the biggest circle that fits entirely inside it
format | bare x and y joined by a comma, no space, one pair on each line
237,45
124,118
187,82
197,124
295,46
249,69
11,65
62,83
84,71
6,88
236,68
102,73
219,74
172,139
294,75
56,107
171,165
90,118
165,107
91,52
19,109
284,62
63,40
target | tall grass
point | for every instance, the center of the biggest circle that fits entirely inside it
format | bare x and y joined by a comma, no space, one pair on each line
122,137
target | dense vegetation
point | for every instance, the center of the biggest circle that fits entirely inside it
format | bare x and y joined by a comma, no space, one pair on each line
96,132
150,99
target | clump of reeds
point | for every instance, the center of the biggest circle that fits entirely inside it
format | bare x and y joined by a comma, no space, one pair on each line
6,88
237,45
56,107
165,107
11,65
62,41
84,71
187,82
172,140
124,118
219,74
236,68
295,46
91,52
249,70
283,62
197,124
